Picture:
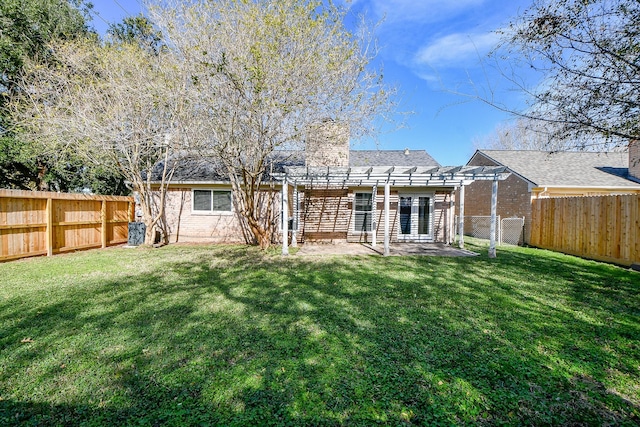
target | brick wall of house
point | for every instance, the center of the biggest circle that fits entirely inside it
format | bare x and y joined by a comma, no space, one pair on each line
326,214
186,226
514,197
327,145
634,159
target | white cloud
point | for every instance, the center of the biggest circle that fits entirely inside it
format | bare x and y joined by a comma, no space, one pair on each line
456,49
398,11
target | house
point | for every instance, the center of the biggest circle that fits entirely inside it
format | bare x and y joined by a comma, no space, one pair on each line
330,194
538,174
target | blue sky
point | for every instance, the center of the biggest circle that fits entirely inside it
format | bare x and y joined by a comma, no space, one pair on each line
430,50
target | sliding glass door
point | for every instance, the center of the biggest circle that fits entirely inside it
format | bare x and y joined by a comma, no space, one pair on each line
415,212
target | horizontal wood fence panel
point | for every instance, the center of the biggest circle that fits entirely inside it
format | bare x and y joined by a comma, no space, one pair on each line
604,228
45,223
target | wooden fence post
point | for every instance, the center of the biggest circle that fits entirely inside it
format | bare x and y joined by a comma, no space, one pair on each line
46,223
103,217
49,216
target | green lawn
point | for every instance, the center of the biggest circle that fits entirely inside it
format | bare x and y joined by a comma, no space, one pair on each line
227,335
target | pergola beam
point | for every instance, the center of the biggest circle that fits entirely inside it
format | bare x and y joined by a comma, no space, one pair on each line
414,176
352,181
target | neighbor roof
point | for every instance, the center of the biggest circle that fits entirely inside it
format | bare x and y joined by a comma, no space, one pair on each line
566,169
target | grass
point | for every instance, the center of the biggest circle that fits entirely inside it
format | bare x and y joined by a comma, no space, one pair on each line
227,335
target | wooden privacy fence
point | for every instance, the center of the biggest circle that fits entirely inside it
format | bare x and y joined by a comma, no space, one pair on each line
44,223
604,228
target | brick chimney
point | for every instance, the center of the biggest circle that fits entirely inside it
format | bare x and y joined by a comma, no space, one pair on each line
634,159
327,145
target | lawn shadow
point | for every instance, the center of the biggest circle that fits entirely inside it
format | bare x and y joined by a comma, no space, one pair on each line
238,337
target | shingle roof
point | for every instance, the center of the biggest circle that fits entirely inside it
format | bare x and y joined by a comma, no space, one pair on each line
569,168
359,158
199,169
194,170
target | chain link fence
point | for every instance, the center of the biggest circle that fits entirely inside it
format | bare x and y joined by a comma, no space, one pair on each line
512,231
508,230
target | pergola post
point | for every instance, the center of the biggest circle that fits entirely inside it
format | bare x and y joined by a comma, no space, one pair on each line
285,218
451,222
387,194
296,210
374,214
492,226
461,218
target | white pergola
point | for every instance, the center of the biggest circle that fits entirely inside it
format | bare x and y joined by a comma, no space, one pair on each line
388,176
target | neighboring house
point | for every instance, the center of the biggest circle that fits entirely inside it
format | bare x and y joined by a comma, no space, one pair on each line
538,174
333,194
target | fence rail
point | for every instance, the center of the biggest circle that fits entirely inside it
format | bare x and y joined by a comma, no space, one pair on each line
604,228
44,223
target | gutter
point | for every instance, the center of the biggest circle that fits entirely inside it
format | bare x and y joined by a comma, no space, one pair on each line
595,187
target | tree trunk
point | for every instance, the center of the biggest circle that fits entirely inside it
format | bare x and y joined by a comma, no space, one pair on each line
254,209
146,205
260,233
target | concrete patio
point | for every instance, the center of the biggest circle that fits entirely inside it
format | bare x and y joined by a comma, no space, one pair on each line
395,249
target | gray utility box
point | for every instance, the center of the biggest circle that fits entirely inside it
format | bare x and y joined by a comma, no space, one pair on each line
136,233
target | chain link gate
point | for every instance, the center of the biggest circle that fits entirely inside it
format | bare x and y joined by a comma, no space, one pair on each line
508,230
511,231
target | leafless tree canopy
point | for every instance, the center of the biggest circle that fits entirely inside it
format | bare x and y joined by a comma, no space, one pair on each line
528,134
263,72
588,52
234,80
117,105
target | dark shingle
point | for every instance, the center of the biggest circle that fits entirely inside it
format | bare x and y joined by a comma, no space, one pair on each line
198,169
390,158
568,168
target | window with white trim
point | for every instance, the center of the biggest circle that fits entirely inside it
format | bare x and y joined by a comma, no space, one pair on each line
210,201
363,211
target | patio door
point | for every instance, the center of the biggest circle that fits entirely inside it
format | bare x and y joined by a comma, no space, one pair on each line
415,213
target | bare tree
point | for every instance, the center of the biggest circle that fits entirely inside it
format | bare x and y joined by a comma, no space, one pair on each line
116,105
264,72
529,134
587,54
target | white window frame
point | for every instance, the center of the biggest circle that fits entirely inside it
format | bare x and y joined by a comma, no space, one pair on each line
415,194
355,212
211,211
